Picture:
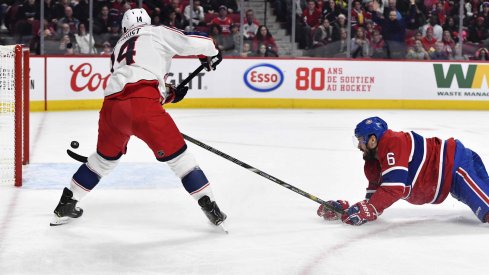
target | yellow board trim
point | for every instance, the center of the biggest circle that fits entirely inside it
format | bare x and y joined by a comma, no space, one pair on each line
67,105
283,103
36,106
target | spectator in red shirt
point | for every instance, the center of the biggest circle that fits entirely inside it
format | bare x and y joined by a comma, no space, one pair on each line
263,36
311,14
370,27
378,46
429,40
412,40
223,20
440,12
357,15
448,44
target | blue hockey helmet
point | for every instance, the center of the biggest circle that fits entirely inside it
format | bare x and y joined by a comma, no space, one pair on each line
370,126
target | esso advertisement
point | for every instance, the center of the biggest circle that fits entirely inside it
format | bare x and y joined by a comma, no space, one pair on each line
263,77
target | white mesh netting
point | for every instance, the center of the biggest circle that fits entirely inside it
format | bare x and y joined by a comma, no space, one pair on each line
7,114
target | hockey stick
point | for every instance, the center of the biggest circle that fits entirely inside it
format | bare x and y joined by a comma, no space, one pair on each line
81,158
261,173
189,78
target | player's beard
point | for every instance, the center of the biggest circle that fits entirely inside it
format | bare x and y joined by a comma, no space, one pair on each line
370,154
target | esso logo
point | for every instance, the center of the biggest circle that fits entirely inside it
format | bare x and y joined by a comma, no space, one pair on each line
263,77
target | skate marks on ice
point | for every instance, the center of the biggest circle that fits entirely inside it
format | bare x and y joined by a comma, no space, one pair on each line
436,235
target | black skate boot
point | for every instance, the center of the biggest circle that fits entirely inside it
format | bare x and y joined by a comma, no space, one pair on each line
211,210
66,209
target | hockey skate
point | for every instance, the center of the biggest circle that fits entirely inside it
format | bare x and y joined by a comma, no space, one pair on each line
66,209
211,210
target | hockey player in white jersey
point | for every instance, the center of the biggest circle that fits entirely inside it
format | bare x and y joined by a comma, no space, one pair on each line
132,105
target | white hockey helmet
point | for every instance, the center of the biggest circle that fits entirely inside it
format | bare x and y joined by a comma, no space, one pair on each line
135,17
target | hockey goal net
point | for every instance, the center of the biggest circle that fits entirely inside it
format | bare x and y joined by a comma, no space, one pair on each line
14,113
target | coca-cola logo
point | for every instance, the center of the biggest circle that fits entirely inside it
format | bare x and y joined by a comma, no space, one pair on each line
83,78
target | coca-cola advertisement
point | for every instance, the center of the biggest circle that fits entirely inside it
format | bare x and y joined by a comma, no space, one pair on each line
77,78
79,82
84,78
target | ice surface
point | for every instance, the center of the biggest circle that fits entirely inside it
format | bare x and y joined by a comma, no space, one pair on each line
139,220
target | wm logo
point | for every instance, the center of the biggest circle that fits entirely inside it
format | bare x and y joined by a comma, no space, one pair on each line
470,79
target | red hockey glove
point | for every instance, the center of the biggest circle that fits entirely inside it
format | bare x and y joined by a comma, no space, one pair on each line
174,94
360,213
331,215
210,62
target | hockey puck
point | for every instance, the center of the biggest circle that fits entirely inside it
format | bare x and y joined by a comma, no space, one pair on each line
74,144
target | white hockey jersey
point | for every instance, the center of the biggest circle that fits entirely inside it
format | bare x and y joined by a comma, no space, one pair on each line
145,53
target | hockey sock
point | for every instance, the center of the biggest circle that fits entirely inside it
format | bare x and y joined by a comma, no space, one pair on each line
84,180
197,184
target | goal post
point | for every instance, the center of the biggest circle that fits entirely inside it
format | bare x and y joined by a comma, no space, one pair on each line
14,113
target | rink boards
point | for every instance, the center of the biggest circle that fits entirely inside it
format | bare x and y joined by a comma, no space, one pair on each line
69,83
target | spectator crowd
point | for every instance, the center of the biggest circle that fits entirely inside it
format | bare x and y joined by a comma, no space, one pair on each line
66,24
412,29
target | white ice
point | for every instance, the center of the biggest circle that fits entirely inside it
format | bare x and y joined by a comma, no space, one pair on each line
140,220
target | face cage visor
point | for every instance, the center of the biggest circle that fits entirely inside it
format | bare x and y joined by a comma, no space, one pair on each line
357,141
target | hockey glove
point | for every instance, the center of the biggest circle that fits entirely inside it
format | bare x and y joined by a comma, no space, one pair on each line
174,94
360,213
180,93
331,215
211,62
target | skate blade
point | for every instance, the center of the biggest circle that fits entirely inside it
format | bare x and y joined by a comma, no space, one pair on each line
59,220
223,227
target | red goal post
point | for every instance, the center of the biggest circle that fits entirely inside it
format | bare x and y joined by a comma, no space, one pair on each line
14,113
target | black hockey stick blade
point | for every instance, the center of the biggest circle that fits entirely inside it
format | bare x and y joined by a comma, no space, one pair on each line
76,157
261,173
